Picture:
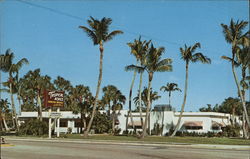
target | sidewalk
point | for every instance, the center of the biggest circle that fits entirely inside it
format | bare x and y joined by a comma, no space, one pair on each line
135,143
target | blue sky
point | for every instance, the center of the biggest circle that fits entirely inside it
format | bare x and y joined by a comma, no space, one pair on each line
53,42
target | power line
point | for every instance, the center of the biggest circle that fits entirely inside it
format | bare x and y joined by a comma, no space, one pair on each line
79,18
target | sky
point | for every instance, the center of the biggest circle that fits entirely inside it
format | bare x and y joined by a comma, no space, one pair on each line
46,33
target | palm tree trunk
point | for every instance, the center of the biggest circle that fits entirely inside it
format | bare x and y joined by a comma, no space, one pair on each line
240,93
97,91
140,100
244,128
130,103
169,96
245,132
150,78
4,123
162,122
40,107
14,115
183,104
0,84
113,122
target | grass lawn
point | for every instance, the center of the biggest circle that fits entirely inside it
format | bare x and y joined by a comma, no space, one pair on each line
158,139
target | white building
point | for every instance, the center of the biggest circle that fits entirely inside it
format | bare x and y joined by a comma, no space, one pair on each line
201,122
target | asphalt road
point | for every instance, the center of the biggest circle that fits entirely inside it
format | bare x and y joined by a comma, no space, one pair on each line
70,150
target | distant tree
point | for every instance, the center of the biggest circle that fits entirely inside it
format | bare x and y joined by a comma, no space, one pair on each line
206,109
170,87
99,34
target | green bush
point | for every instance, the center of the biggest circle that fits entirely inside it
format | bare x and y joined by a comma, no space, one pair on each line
101,123
34,127
231,131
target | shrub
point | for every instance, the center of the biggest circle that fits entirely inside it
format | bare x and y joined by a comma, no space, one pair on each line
231,131
34,127
101,123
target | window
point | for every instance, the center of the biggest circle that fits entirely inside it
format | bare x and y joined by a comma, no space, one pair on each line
194,127
63,123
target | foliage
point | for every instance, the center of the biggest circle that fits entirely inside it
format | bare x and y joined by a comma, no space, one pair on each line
101,123
231,131
157,129
34,127
229,105
153,97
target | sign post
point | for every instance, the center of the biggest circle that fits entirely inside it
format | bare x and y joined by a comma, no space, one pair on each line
49,123
58,123
54,99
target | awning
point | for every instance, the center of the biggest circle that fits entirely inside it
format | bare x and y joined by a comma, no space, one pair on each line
192,123
217,124
136,123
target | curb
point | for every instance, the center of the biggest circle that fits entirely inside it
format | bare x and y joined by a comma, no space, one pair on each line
194,146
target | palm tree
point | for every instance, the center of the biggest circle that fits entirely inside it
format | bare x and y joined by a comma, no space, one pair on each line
38,84
153,63
108,96
118,101
13,69
234,35
138,49
99,33
5,62
153,97
188,55
170,87
243,59
114,99
81,101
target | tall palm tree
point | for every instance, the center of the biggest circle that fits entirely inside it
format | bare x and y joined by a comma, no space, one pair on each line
13,69
234,35
243,59
138,49
170,87
99,33
188,55
153,63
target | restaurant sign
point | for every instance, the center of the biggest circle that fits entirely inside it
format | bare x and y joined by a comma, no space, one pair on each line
54,98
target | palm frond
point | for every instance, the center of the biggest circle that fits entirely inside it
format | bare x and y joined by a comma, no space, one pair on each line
90,34
138,69
200,57
165,68
113,34
230,60
195,46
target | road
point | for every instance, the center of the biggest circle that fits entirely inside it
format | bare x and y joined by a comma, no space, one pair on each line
72,150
